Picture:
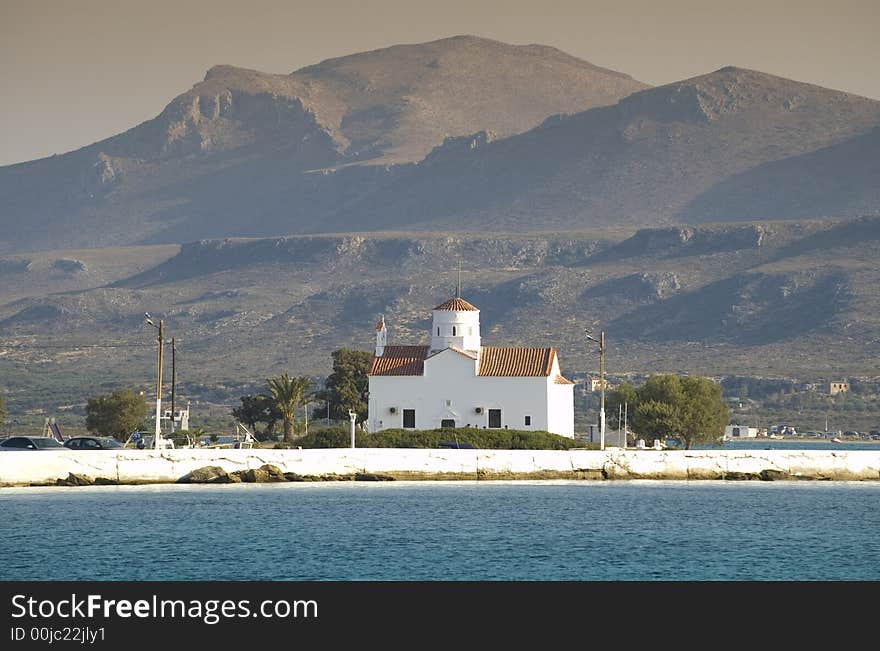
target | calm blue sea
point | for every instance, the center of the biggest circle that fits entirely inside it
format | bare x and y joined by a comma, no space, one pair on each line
782,444
562,530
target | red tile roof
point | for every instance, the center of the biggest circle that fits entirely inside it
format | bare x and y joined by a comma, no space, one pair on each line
494,361
400,360
507,361
457,304
472,354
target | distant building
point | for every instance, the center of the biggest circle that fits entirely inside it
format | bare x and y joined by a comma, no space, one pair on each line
595,383
740,432
837,387
169,422
455,381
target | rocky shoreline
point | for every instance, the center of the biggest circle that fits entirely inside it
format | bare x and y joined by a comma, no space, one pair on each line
267,473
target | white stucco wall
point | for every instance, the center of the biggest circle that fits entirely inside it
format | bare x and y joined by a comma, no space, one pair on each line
452,377
560,398
560,401
143,466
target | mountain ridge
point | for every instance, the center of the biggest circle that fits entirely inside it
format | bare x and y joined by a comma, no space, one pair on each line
461,134
217,150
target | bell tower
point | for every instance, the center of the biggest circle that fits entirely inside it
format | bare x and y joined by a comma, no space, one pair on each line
381,336
456,324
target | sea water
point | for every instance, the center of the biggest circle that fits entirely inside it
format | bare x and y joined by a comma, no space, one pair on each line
522,530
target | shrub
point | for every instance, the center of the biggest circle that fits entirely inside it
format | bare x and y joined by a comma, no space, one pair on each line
485,439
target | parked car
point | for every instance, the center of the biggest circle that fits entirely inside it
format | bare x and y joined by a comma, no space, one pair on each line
92,443
30,443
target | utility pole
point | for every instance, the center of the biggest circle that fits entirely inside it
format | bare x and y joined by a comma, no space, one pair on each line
624,425
161,339
352,417
602,390
601,342
173,379
158,434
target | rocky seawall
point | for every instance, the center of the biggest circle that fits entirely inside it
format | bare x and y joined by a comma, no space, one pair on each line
234,466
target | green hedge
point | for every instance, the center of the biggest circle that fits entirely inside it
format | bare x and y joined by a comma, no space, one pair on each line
485,439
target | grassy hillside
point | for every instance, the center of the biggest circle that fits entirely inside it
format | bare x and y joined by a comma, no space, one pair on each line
786,299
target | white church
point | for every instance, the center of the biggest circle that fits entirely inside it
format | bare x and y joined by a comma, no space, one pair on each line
458,382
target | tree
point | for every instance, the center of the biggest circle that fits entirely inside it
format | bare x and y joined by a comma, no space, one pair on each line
347,387
661,388
287,394
690,409
258,408
703,413
655,420
117,414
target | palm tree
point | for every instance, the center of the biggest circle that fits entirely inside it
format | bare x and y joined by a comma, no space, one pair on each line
287,394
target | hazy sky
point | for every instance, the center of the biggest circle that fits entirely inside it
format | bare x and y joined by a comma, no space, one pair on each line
76,71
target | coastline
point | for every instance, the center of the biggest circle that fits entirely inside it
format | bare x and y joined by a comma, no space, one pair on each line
806,439
74,468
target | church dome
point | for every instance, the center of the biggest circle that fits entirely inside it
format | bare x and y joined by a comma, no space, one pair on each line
456,324
456,304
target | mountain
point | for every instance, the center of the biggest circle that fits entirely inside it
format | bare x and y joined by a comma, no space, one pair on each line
841,179
437,137
237,149
730,145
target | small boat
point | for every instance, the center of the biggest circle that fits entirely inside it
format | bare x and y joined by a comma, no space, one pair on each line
836,440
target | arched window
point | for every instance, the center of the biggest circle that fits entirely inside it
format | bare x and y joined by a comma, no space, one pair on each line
438,332
453,331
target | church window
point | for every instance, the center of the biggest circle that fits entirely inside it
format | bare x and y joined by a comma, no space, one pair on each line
447,422
470,330
449,403
495,418
453,331
438,332
409,418
528,420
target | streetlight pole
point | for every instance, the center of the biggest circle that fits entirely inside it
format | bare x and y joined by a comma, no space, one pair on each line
601,342
602,388
158,432
173,379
